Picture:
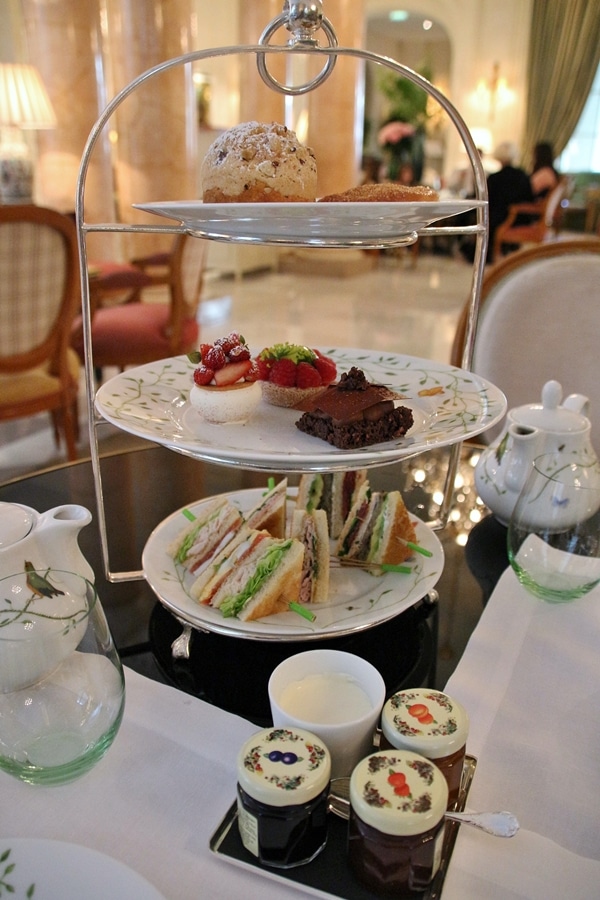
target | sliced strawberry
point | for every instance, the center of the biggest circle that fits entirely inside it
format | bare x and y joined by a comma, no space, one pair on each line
232,372
307,376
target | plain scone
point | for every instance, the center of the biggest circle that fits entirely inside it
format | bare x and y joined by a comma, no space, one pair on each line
258,163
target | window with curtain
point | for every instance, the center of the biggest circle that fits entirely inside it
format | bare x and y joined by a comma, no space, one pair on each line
582,153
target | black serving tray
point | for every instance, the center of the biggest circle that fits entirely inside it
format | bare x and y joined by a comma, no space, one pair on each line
329,874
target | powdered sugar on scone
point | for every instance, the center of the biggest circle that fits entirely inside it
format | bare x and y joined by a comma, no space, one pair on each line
255,162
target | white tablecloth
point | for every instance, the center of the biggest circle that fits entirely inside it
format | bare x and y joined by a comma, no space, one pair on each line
530,678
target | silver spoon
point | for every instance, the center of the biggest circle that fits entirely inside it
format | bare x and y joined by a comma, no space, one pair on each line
500,824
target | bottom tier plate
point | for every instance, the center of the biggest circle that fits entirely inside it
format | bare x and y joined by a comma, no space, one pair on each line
329,874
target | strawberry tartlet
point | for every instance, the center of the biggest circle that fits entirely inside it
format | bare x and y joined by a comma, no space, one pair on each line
290,374
226,390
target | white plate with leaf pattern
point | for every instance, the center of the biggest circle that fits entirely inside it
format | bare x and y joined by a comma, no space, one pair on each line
448,405
357,599
56,870
309,224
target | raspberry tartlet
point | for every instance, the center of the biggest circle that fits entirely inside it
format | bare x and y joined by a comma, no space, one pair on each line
290,374
226,390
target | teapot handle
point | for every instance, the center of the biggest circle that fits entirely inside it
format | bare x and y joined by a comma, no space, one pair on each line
578,403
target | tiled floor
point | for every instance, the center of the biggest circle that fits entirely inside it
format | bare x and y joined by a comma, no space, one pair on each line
397,307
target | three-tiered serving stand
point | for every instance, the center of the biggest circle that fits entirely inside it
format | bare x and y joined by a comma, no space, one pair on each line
306,25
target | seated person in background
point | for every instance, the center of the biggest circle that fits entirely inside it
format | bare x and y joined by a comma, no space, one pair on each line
510,184
544,177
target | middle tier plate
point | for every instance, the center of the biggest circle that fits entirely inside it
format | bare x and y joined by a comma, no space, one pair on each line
357,600
448,404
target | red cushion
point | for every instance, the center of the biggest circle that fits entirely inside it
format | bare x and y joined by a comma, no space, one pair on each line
134,334
112,276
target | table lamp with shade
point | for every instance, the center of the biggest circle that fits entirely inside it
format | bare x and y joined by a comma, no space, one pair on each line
24,104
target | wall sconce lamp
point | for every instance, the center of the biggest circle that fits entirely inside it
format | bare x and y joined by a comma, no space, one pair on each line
493,94
24,104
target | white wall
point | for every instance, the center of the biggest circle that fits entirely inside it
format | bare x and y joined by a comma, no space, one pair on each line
481,33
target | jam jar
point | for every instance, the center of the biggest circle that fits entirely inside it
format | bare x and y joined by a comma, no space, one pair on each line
283,788
398,801
430,723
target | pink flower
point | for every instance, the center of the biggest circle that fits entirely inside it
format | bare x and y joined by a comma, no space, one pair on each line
394,132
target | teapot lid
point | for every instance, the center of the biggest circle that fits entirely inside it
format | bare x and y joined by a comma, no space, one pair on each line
16,522
551,415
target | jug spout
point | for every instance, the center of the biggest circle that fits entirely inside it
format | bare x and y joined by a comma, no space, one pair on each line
57,534
525,442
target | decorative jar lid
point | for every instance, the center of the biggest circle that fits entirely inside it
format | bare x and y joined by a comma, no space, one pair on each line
425,721
284,767
16,522
398,792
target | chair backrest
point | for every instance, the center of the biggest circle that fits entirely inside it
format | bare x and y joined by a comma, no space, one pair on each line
187,266
38,286
555,198
539,319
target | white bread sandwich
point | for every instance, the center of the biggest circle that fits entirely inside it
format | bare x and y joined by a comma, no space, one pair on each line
269,514
215,521
377,529
311,529
335,492
256,575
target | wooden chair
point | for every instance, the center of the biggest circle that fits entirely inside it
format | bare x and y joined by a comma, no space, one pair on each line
544,215
39,298
539,319
139,332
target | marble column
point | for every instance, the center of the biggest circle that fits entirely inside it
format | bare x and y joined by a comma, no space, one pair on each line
86,53
334,109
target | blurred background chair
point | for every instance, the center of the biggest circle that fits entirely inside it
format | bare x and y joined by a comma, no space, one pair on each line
137,332
544,218
539,320
39,299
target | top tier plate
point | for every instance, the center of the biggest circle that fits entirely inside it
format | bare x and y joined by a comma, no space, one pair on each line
309,224
448,404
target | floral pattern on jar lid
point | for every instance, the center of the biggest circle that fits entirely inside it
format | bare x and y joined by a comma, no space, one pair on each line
425,721
398,792
281,766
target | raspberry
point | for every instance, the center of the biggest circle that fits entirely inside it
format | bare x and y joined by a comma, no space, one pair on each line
307,376
253,372
215,358
204,348
233,339
283,373
326,368
203,375
239,352
264,368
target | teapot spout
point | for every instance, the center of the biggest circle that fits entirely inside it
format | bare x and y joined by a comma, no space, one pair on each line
525,441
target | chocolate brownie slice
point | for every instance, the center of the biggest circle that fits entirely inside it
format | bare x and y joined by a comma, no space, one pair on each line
356,413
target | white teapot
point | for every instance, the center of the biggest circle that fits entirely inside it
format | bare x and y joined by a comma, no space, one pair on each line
41,570
550,427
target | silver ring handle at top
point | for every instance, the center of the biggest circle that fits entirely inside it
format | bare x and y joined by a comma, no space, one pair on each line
303,23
